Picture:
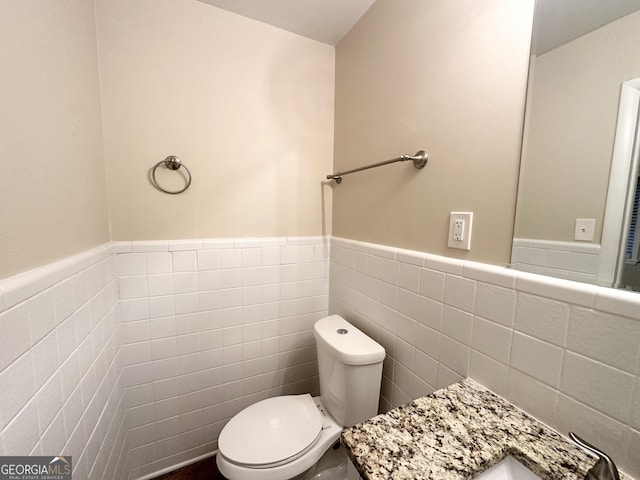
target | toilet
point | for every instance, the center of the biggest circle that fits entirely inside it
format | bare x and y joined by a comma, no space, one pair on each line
282,438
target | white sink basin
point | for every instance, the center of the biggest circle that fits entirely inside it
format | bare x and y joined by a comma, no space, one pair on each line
508,469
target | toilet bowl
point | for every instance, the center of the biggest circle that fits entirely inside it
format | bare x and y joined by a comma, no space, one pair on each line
281,438
288,436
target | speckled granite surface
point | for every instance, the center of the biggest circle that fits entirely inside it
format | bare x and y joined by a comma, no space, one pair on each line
457,433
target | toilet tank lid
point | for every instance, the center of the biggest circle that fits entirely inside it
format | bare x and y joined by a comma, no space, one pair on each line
350,345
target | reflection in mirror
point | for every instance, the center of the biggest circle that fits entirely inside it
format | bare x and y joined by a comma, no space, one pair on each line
579,168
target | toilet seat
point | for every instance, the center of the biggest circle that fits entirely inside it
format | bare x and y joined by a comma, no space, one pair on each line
272,432
329,435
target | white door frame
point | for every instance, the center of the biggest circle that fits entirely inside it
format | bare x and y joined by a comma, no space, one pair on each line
622,179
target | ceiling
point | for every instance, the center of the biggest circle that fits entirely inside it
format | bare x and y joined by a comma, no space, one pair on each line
327,21
560,21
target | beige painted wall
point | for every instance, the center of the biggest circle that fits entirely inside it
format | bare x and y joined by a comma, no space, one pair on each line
572,115
246,106
447,77
52,180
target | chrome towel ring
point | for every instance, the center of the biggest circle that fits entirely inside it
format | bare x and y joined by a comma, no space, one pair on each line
172,163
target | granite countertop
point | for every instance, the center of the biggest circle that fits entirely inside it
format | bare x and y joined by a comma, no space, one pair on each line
457,433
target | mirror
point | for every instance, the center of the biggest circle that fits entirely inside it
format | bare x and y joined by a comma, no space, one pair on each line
578,173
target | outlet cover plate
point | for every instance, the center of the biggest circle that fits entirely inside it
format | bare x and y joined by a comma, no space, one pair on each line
465,242
585,228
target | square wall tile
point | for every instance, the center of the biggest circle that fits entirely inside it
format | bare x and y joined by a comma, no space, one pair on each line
185,282
135,353
608,338
63,299
460,293
132,264
489,372
208,259
403,377
614,392
15,339
427,340
45,358
231,278
133,332
133,287
405,354
432,284
41,314
430,312
49,400
23,431
252,277
454,355
590,424
409,277
495,303
457,324
184,261
163,348
231,258
159,262
542,318
54,439
160,284
426,367
270,256
251,257
162,327
209,280
533,397
408,303
492,339
210,300
162,306
66,337
385,269
136,309
537,359
185,303
447,377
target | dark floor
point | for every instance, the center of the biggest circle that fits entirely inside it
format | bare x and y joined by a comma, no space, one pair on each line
203,470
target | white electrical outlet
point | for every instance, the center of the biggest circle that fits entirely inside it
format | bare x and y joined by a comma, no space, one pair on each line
460,230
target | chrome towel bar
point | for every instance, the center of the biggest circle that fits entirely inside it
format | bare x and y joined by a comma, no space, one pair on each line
172,163
419,161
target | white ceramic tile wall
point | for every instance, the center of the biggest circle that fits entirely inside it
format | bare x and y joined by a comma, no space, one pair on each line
213,325
569,260
58,364
566,352
209,327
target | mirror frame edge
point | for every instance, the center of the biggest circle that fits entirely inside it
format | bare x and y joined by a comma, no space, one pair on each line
624,164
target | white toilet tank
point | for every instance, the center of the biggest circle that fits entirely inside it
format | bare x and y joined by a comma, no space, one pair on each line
350,367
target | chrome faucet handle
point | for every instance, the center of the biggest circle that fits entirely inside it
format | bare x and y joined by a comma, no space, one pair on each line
604,469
